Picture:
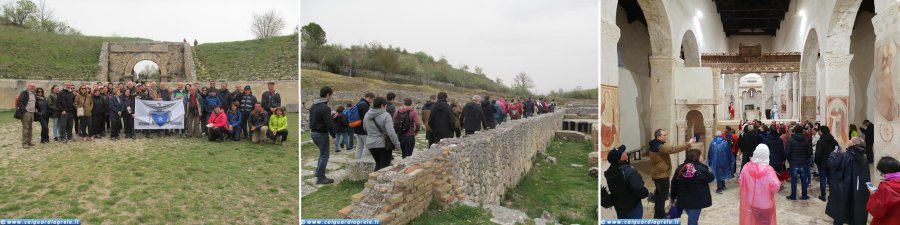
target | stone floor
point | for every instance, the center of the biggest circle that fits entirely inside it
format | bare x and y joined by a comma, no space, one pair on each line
726,205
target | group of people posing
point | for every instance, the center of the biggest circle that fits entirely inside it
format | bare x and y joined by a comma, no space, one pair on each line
381,125
770,154
97,110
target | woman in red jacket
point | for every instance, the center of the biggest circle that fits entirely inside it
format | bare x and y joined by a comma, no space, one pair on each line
884,203
218,123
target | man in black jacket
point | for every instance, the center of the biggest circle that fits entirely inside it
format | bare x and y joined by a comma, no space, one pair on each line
271,99
748,142
488,109
824,147
360,131
869,131
246,105
799,154
426,114
442,121
472,116
224,95
528,107
626,186
321,125
26,110
66,104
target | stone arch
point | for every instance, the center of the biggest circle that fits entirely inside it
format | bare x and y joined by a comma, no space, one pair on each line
175,60
658,27
841,26
809,59
694,118
149,57
690,49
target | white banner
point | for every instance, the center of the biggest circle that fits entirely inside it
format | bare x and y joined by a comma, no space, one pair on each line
158,114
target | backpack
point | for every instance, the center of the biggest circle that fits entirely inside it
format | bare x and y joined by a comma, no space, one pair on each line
403,122
353,118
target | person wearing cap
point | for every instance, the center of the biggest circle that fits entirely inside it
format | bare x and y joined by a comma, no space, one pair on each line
758,184
662,168
626,186
247,103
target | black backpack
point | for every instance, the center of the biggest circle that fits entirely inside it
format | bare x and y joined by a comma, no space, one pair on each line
403,123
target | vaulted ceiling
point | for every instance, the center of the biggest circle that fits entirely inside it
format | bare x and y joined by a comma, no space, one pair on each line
751,17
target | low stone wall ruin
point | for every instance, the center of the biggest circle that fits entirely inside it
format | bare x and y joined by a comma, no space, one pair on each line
478,167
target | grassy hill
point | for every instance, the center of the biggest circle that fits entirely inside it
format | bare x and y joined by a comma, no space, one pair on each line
28,54
316,79
272,58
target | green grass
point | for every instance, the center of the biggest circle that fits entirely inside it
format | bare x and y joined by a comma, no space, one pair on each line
461,214
28,54
266,59
325,203
158,181
561,189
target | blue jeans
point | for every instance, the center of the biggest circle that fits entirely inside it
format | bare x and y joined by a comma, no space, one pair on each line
55,130
803,173
321,140
823,180
337,141
348,142
407,143
693,216
635,213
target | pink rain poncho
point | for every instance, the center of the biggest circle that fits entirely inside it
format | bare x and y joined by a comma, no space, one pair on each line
759,182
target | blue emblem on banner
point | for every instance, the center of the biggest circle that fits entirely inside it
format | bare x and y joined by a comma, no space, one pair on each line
160,118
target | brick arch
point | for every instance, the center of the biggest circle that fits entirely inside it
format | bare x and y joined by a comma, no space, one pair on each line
155,58
175,61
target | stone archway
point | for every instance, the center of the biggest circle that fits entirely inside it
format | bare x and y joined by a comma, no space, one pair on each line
690,50
175,61
808,72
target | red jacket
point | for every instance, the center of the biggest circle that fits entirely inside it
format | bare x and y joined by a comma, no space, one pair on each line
218,120
884,204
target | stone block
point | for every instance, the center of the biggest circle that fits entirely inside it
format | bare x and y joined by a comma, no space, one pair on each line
344,212
358,169
570,135
593,157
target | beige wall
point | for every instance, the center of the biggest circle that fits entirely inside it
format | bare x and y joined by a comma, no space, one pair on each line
289,90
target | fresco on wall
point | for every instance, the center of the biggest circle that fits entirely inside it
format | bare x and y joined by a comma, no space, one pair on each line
836,117
884,97
808,108
609,121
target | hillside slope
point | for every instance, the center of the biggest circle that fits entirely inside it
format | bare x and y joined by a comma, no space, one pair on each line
312,80
273,58
28,54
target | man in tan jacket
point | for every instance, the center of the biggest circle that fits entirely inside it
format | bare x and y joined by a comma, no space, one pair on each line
661,168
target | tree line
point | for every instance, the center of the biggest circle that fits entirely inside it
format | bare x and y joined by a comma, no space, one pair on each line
35,16
416,66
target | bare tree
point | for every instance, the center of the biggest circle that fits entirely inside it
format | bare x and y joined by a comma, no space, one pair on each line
267,25
44,18
522,83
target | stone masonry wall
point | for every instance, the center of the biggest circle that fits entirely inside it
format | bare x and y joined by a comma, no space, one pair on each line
478,167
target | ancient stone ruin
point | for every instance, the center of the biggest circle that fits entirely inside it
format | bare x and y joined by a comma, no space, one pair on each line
175,60
478,168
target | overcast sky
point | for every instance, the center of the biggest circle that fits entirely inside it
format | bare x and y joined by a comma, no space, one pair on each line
555,42
171,20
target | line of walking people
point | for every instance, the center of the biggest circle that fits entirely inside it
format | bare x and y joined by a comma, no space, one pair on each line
380,126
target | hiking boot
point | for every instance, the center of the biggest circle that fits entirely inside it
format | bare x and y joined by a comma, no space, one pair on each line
30,144
792,198
25,146
324,180
804,198
822,197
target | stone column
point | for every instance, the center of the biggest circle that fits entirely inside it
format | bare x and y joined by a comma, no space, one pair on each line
795,106
609,68
720,106
710,134
681,130
662,103
885,26
837,85
736,94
